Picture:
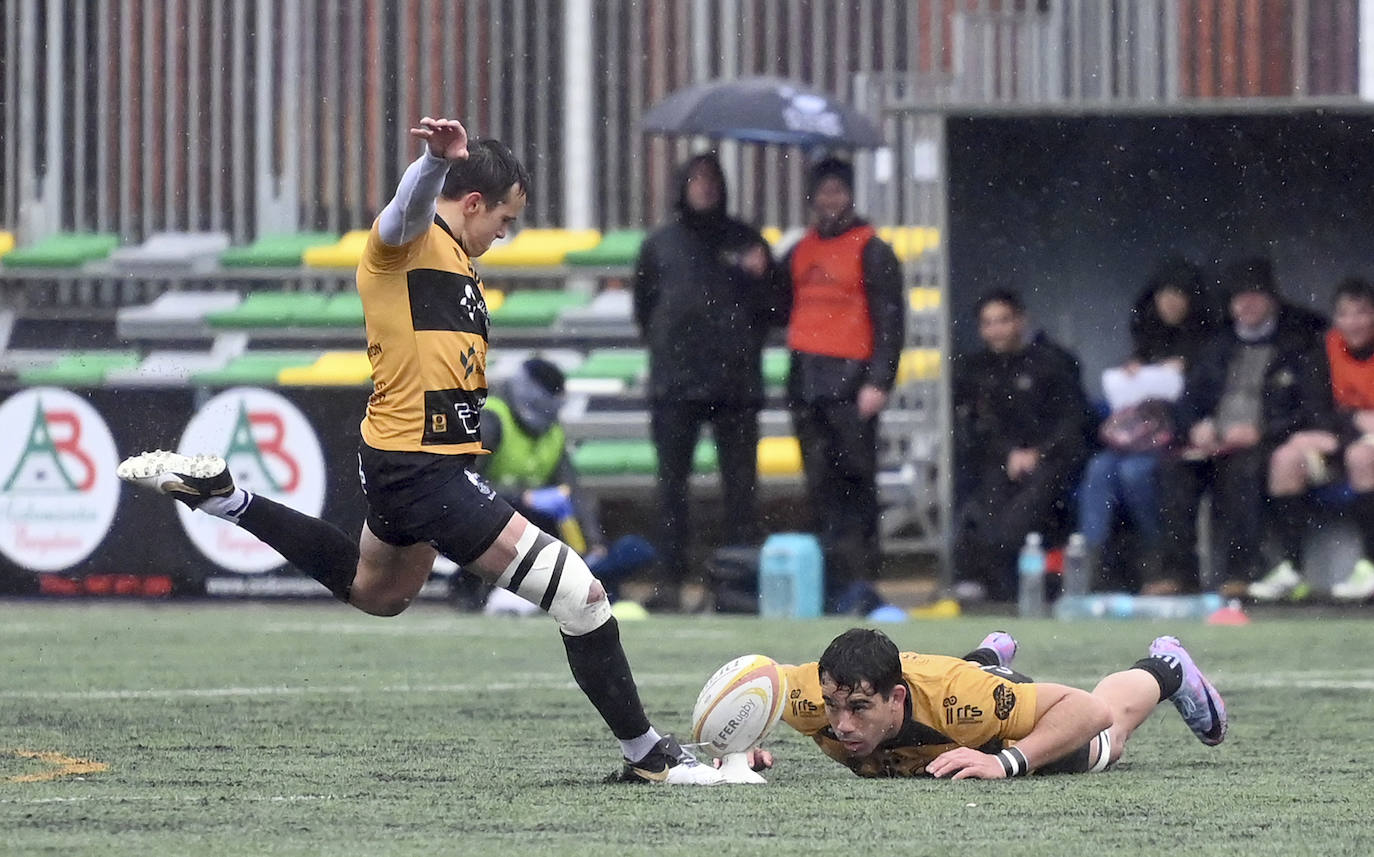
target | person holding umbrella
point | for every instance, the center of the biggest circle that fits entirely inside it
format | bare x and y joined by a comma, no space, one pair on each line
845,334
703,304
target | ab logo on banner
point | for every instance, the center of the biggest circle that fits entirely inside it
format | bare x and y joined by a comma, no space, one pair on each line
58,489
272,451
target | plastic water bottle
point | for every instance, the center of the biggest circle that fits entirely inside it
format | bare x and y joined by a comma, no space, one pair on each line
1030,577
1074,579
1123,605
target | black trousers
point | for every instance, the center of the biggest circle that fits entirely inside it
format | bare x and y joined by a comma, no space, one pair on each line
840,459
993,522
1237,483
676,428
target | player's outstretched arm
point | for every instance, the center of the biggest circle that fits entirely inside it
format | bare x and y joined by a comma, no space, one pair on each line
1065,718
410,212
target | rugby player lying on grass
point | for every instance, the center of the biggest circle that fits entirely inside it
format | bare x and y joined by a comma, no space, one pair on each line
884,713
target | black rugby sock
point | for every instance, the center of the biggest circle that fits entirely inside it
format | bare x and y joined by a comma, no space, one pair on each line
1288,520
1169,674
600,668
984,657
316,547
1363,509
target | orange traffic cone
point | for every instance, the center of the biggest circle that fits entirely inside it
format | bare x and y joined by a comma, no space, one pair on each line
1231,614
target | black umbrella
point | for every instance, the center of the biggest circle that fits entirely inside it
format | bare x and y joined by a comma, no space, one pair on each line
762,110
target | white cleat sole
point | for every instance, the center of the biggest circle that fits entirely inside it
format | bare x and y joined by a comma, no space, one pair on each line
694,775
155,469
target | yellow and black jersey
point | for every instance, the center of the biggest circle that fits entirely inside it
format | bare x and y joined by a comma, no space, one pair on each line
952,703
427,327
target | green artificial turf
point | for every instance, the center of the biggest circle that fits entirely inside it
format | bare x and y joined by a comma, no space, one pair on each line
312,729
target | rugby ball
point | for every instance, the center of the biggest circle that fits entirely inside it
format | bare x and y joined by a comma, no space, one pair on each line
738,706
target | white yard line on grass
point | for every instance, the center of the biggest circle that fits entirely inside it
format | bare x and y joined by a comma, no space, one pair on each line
162,798
1316,680
515,627
528,681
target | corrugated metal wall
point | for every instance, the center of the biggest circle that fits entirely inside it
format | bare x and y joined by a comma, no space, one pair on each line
134,116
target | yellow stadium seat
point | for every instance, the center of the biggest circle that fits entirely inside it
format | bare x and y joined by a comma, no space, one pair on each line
332,369
919,364
6,242
345,254
924,299
771,234
907,242
540,248
779,456
495,297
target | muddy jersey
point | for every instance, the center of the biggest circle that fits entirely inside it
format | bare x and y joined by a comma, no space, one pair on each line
952,703
427,328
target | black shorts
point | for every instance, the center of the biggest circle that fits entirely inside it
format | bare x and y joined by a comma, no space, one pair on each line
415,497
1075,762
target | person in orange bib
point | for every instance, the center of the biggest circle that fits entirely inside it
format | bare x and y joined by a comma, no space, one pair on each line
1311,458
845,334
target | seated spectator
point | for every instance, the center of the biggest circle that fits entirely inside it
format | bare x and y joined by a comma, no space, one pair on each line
529,465
1253,385
1170,320
1020,420
1311,458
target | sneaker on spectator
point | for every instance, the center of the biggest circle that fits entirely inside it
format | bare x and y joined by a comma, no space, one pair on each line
970,592
1359,586
1282,582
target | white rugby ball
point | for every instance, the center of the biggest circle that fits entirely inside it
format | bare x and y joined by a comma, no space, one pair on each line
738,706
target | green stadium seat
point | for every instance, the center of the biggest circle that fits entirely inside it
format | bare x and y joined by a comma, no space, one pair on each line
628,365
777,362
278,250
633,457
536,307
342,310
618,247
79,368
256,368
66,250
271,309
704,457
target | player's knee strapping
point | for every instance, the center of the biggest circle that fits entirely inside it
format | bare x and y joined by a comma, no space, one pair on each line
1083,760
550,574
1104,751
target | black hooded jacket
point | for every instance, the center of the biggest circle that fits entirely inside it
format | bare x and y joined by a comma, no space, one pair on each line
1152,338
1296,392
703,317
1028,399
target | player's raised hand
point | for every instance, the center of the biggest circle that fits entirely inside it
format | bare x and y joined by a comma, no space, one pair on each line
447,138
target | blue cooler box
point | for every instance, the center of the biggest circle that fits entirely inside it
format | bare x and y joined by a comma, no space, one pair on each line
791,576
